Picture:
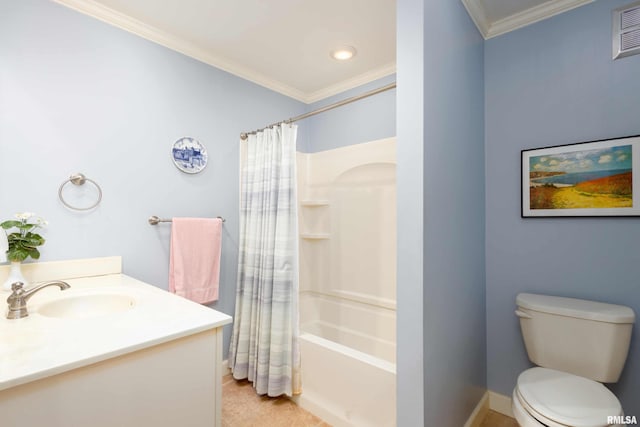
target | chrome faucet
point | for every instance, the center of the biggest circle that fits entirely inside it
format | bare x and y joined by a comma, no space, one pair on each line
19,297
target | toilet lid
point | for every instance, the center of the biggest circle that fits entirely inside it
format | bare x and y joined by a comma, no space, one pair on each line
567,399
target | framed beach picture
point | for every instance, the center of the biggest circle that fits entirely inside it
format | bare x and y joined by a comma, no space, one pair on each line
597,178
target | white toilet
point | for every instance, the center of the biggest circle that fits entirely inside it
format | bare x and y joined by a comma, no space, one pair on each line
577,345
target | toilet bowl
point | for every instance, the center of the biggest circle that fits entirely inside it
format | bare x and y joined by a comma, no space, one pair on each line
546,397
577,345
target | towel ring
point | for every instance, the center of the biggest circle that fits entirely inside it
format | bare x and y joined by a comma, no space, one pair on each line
79,179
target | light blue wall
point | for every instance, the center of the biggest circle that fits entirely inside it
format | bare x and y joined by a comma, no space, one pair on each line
366,120
78,95
441,176
547,84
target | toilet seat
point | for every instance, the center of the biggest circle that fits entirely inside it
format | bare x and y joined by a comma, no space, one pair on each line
521,415
559,399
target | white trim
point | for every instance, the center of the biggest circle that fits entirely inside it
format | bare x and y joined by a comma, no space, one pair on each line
479,413
351,83
500,403
518,20
226,370
476,12
173,42
535,14
163,38
312,406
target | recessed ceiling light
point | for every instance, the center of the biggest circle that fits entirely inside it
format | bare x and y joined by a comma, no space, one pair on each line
343,53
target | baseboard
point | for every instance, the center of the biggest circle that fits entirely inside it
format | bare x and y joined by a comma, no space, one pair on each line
327,414
500,403
479,413
226,370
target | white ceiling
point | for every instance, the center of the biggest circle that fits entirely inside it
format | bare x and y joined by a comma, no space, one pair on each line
284,45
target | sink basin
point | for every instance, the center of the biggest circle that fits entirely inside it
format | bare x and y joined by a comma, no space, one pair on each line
85,306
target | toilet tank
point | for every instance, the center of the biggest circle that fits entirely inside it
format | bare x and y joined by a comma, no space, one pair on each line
586,338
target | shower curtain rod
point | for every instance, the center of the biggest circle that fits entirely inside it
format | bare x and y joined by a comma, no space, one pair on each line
244,135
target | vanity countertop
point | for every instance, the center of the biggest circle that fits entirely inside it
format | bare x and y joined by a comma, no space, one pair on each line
37,346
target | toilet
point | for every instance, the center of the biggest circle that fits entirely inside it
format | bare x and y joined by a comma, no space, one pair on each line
577,345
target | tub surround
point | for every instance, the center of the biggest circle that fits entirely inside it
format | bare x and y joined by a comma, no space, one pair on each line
364,327
348,309
347,209
161,345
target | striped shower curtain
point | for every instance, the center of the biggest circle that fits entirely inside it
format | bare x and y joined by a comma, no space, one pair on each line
264,345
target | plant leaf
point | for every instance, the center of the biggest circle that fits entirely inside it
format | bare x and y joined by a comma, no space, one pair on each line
22,226
34,253
17,254
31,239
9,224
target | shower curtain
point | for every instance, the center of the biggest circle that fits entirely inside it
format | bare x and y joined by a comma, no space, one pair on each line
264,346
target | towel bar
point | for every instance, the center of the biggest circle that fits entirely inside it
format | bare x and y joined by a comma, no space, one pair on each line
154,220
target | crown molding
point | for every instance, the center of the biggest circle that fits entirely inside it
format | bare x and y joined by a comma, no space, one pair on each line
171,41
351,83
166,39
478,16
527,17
535,14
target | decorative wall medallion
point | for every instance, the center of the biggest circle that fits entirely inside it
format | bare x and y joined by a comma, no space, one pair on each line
189,155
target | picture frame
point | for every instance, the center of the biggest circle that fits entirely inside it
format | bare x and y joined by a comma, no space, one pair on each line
586,179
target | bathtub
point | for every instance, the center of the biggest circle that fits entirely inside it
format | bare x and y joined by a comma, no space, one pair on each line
348,361
347,217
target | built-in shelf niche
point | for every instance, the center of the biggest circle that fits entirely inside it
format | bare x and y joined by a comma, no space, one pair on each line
314,219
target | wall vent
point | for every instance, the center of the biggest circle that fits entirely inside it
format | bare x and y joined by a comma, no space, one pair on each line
626,30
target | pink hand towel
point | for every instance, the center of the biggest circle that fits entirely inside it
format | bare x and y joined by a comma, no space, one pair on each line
194,263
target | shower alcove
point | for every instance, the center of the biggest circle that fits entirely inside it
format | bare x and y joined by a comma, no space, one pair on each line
347,222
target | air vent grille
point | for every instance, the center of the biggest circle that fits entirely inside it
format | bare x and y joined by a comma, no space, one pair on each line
630,18
630,40
626,30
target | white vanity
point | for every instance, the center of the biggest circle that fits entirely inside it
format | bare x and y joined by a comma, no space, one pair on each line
109,351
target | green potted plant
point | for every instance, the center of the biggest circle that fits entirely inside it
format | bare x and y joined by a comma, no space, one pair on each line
22,243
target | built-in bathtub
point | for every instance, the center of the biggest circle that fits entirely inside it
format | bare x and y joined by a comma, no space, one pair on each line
348,361
346,387
347,253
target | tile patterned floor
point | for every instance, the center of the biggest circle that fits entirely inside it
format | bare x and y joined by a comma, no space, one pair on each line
242,407
494,419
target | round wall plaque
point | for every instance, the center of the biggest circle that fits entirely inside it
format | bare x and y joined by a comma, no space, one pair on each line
189,155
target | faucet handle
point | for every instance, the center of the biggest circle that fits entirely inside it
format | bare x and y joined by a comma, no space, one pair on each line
16,294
